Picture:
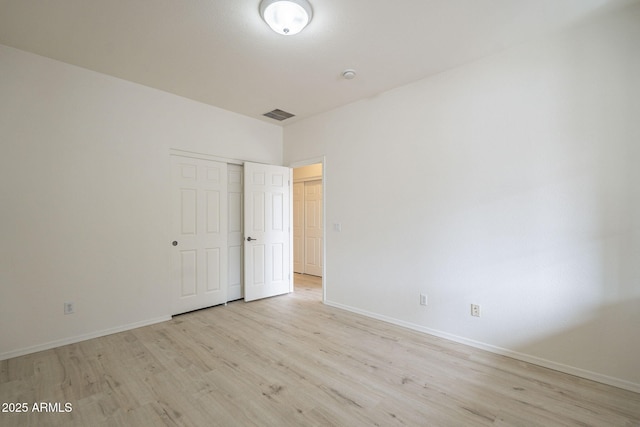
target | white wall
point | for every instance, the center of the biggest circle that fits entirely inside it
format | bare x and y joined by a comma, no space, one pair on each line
514,185
84,179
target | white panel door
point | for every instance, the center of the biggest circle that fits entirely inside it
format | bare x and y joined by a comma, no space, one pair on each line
298,227
313,227
234,191
199,229
267,231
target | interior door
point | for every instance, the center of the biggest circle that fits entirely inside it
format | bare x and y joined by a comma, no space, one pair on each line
267,242
313,227
235,188
298,227
199,229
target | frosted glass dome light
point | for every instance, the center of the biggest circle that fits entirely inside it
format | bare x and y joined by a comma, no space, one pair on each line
286,17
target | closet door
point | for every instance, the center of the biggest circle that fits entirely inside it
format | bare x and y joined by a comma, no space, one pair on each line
298,227
236,226
267,214
313,227
199,230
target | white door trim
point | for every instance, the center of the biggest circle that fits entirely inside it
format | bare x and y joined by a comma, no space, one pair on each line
204,156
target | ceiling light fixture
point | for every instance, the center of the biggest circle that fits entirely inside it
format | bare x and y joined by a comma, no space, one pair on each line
287,17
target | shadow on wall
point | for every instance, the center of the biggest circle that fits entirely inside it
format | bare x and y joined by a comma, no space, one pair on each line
608,341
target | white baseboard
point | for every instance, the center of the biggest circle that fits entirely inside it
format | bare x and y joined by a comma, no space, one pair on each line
582,373
78,338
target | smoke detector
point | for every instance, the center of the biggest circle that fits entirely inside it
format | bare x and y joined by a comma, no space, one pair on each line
349,74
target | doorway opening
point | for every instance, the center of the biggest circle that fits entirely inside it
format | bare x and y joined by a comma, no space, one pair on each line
308,227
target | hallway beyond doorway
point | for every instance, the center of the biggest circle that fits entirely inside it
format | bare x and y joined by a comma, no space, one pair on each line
307,282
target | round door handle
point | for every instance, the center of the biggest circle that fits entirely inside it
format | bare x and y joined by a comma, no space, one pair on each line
250,239
174,243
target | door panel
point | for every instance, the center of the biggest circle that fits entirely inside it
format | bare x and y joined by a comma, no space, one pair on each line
267,222
188,211
213,269
213,211
188,267
236,227
200,229
258,211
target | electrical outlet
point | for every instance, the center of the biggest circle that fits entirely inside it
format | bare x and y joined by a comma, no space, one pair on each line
423,299
475,310
69,308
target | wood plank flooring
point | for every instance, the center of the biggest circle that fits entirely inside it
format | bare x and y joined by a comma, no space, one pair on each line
292,361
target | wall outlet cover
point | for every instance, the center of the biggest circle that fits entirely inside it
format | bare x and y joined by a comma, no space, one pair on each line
475,310
69,308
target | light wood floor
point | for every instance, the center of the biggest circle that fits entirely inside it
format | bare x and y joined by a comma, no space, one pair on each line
292,361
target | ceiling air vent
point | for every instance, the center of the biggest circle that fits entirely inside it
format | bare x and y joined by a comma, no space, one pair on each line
278,115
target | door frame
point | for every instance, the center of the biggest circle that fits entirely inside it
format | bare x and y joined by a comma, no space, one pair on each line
204,156
313,161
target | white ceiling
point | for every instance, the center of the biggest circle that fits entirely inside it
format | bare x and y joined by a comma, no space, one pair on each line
220,52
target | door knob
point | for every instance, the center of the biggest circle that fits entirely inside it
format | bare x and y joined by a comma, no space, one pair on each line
250,239
174,243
